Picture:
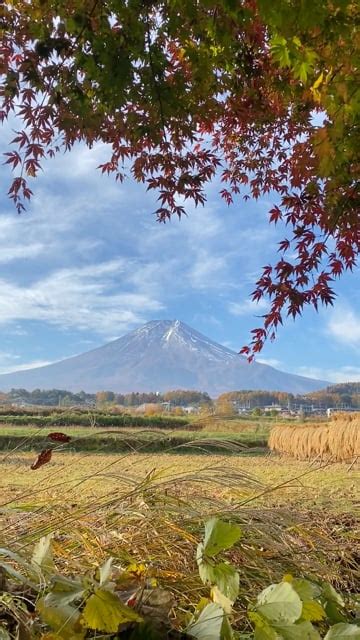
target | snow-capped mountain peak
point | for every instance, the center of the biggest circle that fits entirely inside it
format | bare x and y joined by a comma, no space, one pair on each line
161,355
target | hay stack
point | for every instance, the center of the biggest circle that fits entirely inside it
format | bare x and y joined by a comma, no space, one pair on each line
338,439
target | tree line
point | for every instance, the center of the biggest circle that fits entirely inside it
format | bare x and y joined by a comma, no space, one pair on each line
61,397
347,393
332,396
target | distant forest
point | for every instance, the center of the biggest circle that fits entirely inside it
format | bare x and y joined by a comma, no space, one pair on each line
337,395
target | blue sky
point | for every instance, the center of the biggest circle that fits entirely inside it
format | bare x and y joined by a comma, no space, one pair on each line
88,262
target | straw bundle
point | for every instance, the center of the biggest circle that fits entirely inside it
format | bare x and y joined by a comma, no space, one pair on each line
338,439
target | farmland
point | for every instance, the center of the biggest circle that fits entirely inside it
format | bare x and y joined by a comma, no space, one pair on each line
146,502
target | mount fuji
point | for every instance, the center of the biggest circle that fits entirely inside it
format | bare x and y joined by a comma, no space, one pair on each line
160,356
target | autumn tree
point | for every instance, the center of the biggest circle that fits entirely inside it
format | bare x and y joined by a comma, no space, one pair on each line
104,397
225,408
263,96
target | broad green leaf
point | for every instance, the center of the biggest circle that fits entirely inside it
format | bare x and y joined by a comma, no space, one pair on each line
4,634
226,578
42,554
223,575
301,631
305,589
105,571
64,591
280,51
104,611
65,620
331,595
342,631
226,630
220,536
279,603
209,624
302,70
263,630
334,613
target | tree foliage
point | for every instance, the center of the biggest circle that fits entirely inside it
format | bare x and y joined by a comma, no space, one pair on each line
264,96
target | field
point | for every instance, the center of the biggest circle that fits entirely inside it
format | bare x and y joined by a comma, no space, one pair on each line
147,507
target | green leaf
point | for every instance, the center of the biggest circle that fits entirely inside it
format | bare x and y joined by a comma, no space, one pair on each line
305,589
342,631
302,70
42,554
263,630
301,631
220,536
333,613
226,630
279,603
280,51
104,611
209,624
64,591
4,634
64,620
226,578
331,595
223,575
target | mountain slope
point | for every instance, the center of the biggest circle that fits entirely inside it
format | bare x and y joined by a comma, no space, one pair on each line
159,356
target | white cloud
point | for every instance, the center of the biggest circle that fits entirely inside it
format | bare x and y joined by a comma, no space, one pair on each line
84,298
24,366
344,325
9,362
207,271
340,374
248,307
21,252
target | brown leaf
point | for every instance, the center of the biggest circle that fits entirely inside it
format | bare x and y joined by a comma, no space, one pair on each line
43,458
57,436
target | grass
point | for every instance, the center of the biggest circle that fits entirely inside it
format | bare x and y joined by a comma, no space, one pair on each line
119,440
330,487
150,508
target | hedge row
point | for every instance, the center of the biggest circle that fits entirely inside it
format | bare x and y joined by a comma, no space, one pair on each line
97,420
121,443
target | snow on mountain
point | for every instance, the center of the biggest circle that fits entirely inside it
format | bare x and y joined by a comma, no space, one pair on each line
159,356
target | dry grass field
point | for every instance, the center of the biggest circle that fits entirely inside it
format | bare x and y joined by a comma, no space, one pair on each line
264,479
150,509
